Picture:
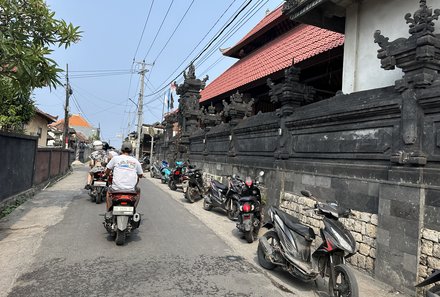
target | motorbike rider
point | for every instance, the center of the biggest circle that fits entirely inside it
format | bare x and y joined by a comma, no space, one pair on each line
126,173
97,160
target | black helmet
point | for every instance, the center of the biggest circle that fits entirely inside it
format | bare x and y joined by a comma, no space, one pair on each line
105,145
126,147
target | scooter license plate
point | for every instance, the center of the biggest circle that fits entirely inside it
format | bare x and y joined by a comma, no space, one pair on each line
99,183
246,217
123,210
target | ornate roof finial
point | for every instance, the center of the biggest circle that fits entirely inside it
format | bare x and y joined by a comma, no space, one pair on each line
422,20
416,55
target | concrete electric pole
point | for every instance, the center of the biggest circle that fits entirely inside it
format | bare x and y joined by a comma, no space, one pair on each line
66,110
140,111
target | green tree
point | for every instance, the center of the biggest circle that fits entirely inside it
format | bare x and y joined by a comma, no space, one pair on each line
28,28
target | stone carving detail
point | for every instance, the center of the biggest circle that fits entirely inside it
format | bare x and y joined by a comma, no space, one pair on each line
419,60
416,55
210,118
291,94
237,109
168,123
189,110
290,4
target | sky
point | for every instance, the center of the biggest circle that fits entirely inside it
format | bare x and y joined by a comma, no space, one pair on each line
102,74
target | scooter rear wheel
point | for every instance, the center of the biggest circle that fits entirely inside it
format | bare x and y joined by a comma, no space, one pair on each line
120,237
249,235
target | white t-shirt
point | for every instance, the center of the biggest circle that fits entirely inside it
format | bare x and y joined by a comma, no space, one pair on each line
125,172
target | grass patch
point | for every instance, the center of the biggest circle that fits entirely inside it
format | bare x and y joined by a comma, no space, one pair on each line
11,207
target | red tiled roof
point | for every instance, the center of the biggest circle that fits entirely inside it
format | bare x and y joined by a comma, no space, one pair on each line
300,43
267,20
75,120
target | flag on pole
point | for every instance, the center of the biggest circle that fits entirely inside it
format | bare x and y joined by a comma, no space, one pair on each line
171,101
166,100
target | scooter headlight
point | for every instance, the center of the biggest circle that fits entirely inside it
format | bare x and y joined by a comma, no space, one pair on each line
343,242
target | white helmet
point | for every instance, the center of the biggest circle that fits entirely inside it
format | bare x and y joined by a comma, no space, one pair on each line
97,145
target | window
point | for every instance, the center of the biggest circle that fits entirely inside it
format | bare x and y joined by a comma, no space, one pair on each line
40,131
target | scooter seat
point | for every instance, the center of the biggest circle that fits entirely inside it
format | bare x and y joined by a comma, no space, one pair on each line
219,185
294,224
248,199
113,191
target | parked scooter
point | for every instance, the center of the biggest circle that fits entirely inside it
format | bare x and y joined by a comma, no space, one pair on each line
433,278
176,175
288,245
145,163
122,218
225,197
155,170
165,172
99,186
193,185
249,218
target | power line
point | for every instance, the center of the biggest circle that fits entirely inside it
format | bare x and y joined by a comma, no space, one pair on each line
253,10
102,70
166,82
143,30
99,75
160,27
175,29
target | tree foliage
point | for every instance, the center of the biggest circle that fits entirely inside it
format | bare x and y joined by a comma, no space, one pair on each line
28,30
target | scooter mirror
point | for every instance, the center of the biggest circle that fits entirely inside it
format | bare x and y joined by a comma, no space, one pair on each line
306,193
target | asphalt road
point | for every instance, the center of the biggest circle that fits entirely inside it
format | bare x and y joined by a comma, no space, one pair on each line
171,254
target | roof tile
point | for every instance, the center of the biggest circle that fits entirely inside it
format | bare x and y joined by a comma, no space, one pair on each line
300,43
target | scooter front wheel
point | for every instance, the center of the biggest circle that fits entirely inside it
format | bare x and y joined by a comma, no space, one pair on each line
172,185
234,210
189,196
273,239
206,205
345,283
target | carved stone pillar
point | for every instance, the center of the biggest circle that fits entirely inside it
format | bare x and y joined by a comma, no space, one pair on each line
209,119
236,111
189,109
291,94
416,56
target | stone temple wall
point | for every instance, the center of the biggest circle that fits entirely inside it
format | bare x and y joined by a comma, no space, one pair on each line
376,152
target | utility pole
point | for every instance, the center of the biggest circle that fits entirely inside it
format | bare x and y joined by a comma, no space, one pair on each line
152,144
66,109
140,111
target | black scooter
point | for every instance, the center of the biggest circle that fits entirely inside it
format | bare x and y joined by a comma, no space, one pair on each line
225,197
249,218
176,175
288,245
433,278
193,185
